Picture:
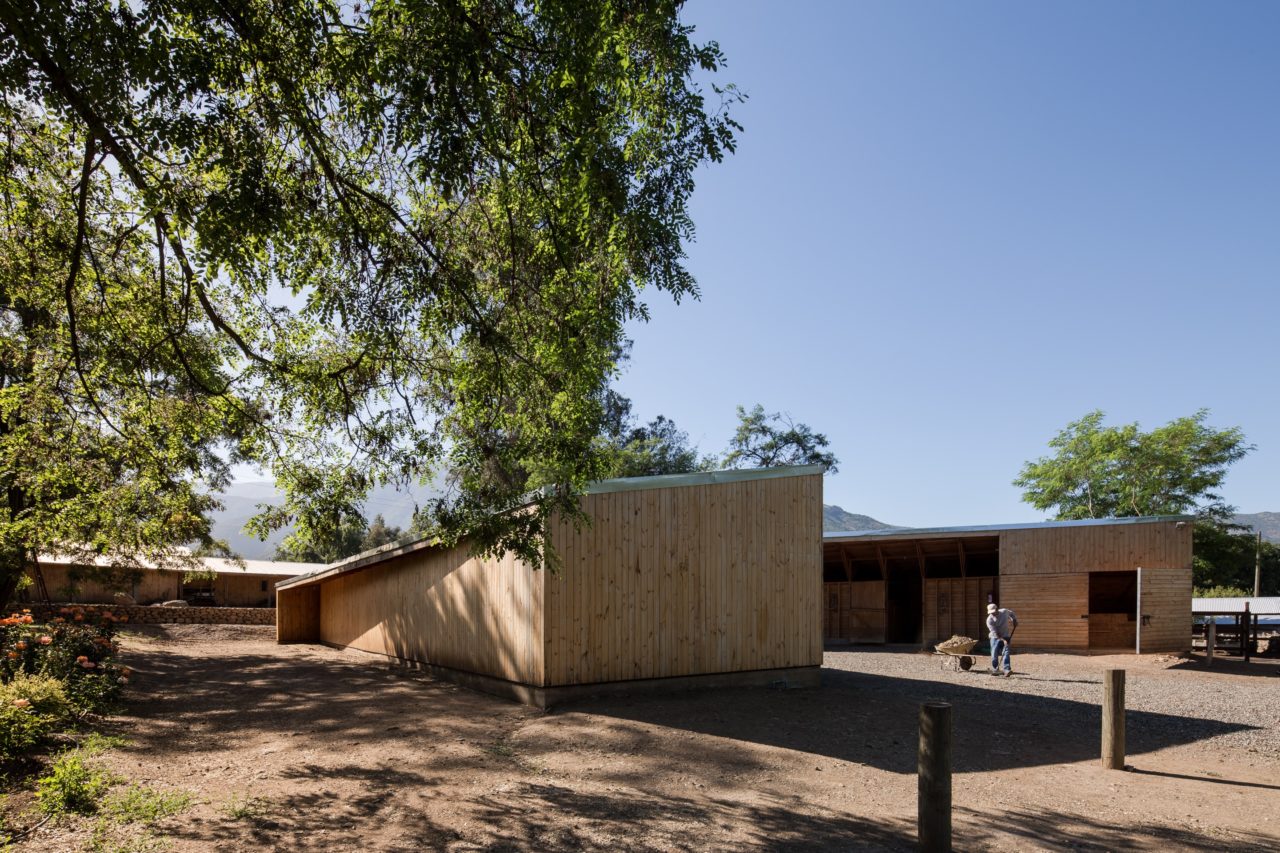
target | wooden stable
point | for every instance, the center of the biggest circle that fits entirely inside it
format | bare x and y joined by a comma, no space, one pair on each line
1104,585
226,583
699,578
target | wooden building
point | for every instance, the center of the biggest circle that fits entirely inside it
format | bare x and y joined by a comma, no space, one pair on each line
225,583
1114,584
700,578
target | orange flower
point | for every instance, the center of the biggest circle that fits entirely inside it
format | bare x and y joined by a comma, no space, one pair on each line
14,655
124,618
21,703
45,640
27,620
21,645
58,620
82,658
126,672
79,617
88,664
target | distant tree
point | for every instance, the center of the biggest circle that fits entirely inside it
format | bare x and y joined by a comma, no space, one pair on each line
1226,556
658,447
324,540
1099,471
380,533
765,440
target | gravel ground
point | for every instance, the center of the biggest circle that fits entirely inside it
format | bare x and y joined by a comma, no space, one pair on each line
307,749
1167,697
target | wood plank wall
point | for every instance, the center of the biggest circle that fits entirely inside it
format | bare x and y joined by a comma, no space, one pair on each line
298,615
1049,608
956,606
854,611
686,581
1101,548
441,606
1166,600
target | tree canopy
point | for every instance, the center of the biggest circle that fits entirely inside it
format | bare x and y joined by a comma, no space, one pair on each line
764,440
361,244
1100,471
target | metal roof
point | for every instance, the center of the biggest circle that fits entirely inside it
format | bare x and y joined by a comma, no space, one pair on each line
620,484
272,568
988,529
1266,605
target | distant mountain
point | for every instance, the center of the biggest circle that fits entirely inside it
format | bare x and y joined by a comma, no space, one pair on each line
834,518
242,499
1266,523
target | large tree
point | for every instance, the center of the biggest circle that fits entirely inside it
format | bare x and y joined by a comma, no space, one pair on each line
107,447
392,238
1100,471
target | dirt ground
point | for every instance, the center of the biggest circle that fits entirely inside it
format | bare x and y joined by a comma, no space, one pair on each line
304,748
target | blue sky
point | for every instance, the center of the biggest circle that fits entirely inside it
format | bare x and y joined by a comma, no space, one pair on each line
952,228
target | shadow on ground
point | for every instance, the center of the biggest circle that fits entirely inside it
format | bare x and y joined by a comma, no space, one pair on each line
872,720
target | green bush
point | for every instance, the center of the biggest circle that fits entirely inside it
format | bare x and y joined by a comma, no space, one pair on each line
72,786
32,707
75,647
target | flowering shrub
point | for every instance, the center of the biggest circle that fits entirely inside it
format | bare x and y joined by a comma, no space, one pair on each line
76,647
32,707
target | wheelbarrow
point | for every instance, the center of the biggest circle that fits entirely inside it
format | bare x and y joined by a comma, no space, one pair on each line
958,656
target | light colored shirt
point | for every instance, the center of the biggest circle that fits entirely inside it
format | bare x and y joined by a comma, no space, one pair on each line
1001,624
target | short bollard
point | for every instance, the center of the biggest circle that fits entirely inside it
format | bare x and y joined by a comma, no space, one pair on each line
933,767
1113,719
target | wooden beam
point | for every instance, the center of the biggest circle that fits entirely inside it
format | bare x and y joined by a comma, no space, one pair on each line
960,548
848,564
920,559
884,566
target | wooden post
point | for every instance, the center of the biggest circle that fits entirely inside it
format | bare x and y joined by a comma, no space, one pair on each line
1257,567
933,767
1113,719
1210,635
1247,646
1137,645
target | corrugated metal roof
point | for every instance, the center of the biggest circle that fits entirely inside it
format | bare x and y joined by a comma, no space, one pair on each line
1267,605
981,529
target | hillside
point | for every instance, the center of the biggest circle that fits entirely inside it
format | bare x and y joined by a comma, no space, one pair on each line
1267,523
834,518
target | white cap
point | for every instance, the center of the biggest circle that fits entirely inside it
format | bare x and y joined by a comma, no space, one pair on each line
991,608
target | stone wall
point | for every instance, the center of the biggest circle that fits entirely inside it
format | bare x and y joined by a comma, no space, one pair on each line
168,615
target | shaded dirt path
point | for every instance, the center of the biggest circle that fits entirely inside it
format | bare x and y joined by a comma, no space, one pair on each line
304,748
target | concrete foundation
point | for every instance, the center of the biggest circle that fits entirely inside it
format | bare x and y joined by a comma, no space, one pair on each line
548,697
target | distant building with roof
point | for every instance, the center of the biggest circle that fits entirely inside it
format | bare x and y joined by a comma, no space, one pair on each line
222,582
1120,584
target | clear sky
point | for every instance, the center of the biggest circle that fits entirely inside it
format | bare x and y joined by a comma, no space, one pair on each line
952,228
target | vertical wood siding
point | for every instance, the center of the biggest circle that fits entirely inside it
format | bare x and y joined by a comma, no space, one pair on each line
956,606
687,581
1116,547
854,610
1166,603
1049,608
298,615
443,607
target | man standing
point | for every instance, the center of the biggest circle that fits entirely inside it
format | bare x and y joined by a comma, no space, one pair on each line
1001,623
